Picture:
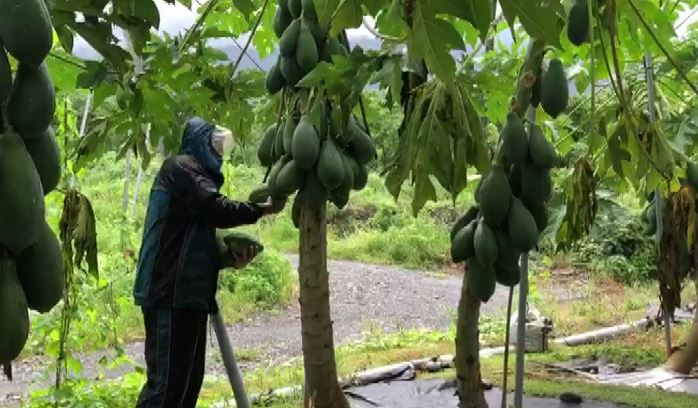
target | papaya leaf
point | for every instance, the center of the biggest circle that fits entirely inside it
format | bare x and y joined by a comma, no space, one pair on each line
349,14
246,7
433,39
423,191
460,166
148,12
325,9
476,12
390,21
539,18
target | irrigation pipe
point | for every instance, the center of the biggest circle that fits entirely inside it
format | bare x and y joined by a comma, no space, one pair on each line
651,96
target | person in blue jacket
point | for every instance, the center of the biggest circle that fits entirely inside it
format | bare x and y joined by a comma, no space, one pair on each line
179,262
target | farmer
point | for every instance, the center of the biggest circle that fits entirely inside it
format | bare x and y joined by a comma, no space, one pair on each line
179,262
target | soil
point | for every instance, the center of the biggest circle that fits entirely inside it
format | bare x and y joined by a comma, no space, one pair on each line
362,295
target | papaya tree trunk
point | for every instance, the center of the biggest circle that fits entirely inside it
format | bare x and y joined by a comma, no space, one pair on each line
471,393
683,360
322,388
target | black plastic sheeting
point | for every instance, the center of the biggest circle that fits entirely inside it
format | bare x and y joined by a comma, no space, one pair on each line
441,394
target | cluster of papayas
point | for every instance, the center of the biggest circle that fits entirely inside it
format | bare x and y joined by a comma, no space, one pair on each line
31,263
316,155
303,42
511,210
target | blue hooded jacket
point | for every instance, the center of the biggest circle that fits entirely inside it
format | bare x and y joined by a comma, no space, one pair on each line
178,261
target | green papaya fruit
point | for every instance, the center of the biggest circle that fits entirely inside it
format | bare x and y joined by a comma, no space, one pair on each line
554,89
40,271
340,195
360,176
330,165
542,152
507,275
536,184
309,9
279,140
290,70
361,146
32,100
14,312
289,180
485,243
495,196
295,7
282,19
289,129
463,243
578,22
275,80
521,227
289,39
274,174
331,47
463,220
5,76
22,203
237,242
514,139
506,267
319,31
265,150
692,174
305,147
481,280
539,211
306,49
515,180
26,30
259,194
46,156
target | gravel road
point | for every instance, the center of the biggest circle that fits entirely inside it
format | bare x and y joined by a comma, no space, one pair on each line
361,294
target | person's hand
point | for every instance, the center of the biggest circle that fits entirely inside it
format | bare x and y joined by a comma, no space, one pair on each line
246,256
272,206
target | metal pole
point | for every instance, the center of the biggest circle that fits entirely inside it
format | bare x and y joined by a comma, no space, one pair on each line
651,97
231,367
523,306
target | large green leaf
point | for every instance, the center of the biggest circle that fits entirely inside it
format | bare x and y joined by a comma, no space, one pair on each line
539,18
477,12
325,9
433,39
246,7
349,14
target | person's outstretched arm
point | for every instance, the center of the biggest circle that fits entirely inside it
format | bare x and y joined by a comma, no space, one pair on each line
192,186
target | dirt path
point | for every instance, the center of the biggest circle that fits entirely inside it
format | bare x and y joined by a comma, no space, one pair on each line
388,297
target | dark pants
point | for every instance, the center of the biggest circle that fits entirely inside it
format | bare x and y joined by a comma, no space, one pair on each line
175,353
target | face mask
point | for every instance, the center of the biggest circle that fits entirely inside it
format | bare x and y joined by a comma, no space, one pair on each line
222,141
